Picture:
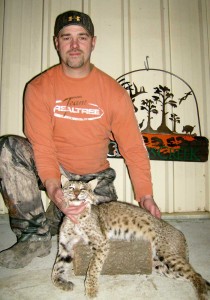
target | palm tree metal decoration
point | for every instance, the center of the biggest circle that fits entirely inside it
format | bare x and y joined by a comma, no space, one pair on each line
149,106
164,97
175,119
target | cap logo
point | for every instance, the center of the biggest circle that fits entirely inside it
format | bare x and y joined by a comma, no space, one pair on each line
76,18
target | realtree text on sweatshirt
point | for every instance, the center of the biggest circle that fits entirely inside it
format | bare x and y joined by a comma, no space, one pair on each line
70,121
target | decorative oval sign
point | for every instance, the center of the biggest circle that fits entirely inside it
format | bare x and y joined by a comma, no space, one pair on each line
161,100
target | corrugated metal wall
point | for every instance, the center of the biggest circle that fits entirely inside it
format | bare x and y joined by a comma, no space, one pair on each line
174,34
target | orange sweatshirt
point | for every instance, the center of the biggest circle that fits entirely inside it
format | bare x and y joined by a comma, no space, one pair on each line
69,121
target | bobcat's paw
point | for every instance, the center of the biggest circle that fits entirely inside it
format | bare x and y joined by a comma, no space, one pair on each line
63,284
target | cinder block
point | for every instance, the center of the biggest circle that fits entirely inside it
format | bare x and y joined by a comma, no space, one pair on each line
134,257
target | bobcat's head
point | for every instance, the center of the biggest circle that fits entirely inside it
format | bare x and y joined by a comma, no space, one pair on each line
77,192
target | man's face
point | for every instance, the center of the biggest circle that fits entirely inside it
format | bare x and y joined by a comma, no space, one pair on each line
74,45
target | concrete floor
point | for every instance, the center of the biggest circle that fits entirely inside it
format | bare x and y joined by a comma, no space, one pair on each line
33,282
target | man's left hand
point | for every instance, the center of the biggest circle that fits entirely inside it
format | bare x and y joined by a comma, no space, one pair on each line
149,204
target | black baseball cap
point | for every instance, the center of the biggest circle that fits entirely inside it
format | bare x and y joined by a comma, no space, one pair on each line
73,18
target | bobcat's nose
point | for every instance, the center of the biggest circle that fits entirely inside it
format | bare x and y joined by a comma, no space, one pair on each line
76,193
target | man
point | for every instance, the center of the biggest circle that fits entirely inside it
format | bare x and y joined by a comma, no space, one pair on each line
71,112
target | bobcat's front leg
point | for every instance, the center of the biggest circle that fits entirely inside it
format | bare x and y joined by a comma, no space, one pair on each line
61,269
100,248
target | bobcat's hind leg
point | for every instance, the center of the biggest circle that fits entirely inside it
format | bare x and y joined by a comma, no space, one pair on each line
175,266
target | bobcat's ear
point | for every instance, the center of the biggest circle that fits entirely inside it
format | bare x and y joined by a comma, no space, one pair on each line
93,183
64,179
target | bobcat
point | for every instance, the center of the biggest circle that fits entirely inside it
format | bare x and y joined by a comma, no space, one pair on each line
117,220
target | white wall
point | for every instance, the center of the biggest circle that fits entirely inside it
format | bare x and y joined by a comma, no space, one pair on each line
173,33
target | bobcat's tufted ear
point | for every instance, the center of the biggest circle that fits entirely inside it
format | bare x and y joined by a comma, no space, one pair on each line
93,183
64,179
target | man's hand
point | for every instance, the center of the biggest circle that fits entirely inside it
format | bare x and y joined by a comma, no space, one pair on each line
148,203
55,193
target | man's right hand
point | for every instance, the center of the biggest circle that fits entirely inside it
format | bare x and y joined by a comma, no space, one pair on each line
55,193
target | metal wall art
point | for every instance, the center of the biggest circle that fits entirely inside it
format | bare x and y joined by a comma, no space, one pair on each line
167,111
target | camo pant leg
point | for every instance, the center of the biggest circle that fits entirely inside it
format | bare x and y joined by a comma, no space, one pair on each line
20,189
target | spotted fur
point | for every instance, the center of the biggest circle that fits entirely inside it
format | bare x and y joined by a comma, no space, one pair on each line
118,220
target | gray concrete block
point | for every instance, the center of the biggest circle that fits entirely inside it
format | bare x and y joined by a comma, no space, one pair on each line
134,257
